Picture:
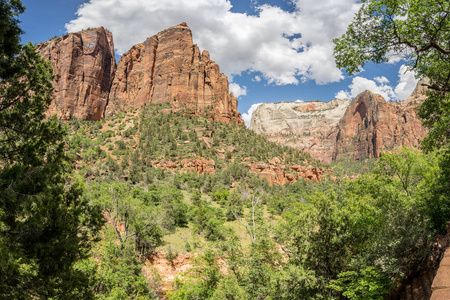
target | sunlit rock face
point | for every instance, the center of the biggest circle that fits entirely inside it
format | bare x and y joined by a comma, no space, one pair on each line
169,68
330,131
83,67
308,126
371,125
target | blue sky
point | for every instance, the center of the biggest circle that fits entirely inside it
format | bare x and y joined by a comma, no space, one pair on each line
271,50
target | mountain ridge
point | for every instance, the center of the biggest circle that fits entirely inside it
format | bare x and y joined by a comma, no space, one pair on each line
348,131
167,68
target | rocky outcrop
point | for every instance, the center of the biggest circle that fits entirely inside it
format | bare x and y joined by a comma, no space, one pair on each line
83,67
371,125
307,126
199,166
169,68
275,172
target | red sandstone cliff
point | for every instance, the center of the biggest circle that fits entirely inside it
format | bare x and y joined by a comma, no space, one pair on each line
83,67
168,68
371,125
332,130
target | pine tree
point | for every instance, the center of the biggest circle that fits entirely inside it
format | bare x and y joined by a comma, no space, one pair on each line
45,225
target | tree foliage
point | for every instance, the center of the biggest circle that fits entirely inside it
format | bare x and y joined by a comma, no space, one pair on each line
45,225
416,31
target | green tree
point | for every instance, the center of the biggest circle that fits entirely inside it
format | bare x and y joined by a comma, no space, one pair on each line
9,35
419,32
45,224
130,217
115,271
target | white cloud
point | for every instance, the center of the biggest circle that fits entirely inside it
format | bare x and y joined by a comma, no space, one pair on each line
342,95
381,80
360,84
257,78
247,117
381,85
237,90
285,47
406,84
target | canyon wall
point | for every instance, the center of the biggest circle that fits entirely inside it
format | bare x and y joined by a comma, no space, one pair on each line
371,125
307,126
331,131
166,68
83,68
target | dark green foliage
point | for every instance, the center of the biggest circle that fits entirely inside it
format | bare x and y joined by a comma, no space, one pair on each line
173,210
9,36
45,224
117,274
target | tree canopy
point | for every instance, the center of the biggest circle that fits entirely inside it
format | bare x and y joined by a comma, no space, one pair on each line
417,31
45,225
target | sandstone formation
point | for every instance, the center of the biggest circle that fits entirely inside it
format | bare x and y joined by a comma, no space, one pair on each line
275,172
166,68
83,67
307,126
371,125
342,129
199,166
169,68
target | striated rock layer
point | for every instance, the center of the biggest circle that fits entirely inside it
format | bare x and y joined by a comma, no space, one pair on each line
371,125
307,126
166,68
342,129
83,67
169,68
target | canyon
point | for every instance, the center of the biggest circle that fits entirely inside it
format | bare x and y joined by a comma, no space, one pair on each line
168,68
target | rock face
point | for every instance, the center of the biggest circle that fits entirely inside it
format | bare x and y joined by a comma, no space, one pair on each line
331,131
370,125
166,68
83,67
169,68
275,172
199,166
307,126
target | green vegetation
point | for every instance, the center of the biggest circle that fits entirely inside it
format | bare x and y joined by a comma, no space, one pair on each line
85,207
354,238
45,224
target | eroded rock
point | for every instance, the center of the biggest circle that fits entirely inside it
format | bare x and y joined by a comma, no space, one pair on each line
83,67
169,68
307,126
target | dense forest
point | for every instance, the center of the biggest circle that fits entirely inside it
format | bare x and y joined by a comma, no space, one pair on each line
86,205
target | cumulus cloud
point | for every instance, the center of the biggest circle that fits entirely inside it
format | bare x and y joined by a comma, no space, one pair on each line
286,47
407,83
360,84
257,78
382,86
237,90
247,117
